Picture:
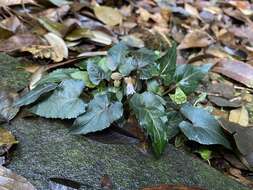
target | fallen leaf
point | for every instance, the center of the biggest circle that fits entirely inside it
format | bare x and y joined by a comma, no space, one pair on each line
60,50
63,184
196,39
7,111
11,181
18,41
240,116
6,138
108,15
236,70
242,136
16,2
106,182
192,10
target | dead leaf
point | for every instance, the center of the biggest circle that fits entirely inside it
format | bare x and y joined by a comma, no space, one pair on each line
16,2
196,39
7,111
242,136
108,15
223,102
19,41
240,116
172,187
11,181
6,138
236,70
59,47
106,182
192,10
11,24
54,14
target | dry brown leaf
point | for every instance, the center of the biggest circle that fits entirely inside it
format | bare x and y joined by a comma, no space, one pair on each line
240,116
7,111
11,24
16,2
55,14
192,10
18,41
108,15
236,70
11,181
59,47
196,39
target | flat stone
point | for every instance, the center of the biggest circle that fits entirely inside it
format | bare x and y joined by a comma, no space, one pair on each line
46,149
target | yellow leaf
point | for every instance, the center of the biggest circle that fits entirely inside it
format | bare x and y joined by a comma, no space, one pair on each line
240,116
108,15
6,138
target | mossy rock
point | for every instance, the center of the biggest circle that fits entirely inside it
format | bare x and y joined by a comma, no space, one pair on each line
46,149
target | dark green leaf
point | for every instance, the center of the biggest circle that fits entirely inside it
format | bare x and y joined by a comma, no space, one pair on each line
149,71
64,102
154,86
150,112
99,115
188,77
35,93
204,129
167,65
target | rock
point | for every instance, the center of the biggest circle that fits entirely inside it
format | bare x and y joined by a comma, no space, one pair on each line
12,74
46,149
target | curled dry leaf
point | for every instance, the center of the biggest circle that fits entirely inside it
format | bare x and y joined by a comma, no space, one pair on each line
108,15
236,70
10,24
59,47
196,39
11,181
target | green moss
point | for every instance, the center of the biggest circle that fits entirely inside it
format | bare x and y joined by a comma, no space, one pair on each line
12,76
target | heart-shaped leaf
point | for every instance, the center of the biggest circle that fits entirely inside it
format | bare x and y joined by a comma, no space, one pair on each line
204,129
64,103
99,115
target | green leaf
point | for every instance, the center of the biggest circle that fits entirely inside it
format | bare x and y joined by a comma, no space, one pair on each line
150,112
142,60
64,103
154,86
35,93
204,129
179,97
83,75
116,55
167,65
188,77
99,115
57,76
96,74
149,71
